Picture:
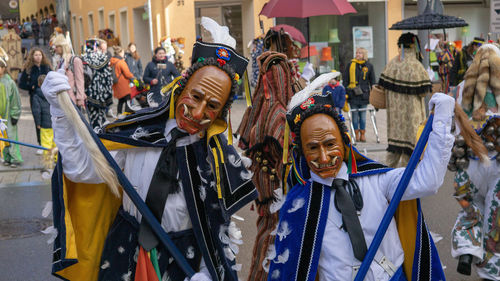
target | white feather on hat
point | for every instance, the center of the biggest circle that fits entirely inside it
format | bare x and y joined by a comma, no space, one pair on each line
220,34
312,88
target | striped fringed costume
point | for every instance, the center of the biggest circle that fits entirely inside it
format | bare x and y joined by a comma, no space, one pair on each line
405,83
262,133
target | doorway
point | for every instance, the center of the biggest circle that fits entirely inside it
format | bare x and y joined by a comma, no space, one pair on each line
141,34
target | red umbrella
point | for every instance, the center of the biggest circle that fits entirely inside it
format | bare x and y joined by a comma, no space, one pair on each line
305,9
294,32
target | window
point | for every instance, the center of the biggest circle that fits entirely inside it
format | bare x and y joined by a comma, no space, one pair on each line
74,28
124,27
81,31
91,24
112,21
101,19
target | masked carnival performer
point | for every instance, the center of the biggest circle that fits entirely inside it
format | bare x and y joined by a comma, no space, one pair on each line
262,132
179,161
99,87
476,234
405,82
330,216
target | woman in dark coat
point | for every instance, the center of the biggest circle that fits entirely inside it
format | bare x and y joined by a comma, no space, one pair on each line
36,64
157,77
359,78
133,60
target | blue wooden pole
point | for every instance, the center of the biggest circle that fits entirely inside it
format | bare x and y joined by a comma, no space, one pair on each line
396,198
25,144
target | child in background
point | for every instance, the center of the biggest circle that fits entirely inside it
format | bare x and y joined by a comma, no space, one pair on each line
41,113
337,91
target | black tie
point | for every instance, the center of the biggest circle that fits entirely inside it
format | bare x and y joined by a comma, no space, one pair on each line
163,183
350,219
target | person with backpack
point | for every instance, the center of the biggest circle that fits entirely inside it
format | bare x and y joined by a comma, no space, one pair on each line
73,68
121,78
98,86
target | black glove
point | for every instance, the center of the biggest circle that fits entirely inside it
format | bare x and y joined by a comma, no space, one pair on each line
13,121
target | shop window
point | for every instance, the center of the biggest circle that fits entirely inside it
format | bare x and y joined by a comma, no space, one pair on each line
335,33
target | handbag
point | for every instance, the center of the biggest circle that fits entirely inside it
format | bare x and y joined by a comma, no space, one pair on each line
357,91
377,97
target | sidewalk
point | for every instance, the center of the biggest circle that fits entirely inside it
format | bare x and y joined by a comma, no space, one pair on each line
30,170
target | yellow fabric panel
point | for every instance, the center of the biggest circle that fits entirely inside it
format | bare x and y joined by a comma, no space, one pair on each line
89,212
406,220
111,145
218,127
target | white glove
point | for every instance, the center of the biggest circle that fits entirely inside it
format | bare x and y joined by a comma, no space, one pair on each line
199,276
308,71
443,106
55,82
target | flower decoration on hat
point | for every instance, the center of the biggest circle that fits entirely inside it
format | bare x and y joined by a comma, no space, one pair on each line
223,53
221,62
297,119
307,104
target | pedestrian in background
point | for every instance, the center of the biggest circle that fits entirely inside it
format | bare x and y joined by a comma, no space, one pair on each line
133,60
43,121
36,64
35,27
359,78
121,87
10,110
337,92
73,67
159,72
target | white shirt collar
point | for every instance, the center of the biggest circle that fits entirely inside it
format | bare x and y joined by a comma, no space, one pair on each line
342,174
171,124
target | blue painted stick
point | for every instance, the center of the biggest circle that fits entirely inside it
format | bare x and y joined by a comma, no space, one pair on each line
140,204
25,144
396,198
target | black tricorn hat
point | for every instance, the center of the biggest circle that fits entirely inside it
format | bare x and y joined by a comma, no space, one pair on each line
222,53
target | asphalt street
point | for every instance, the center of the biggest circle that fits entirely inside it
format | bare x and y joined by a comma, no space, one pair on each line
26,255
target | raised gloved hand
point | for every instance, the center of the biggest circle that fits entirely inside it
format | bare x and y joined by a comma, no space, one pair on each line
55,82
444,107
308,71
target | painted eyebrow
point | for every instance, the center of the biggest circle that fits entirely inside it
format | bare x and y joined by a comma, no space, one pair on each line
213,100
198,91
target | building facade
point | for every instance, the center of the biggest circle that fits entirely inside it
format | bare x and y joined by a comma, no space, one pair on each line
36,8
129,20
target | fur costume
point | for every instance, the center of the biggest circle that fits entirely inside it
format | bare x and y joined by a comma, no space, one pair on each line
484,72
